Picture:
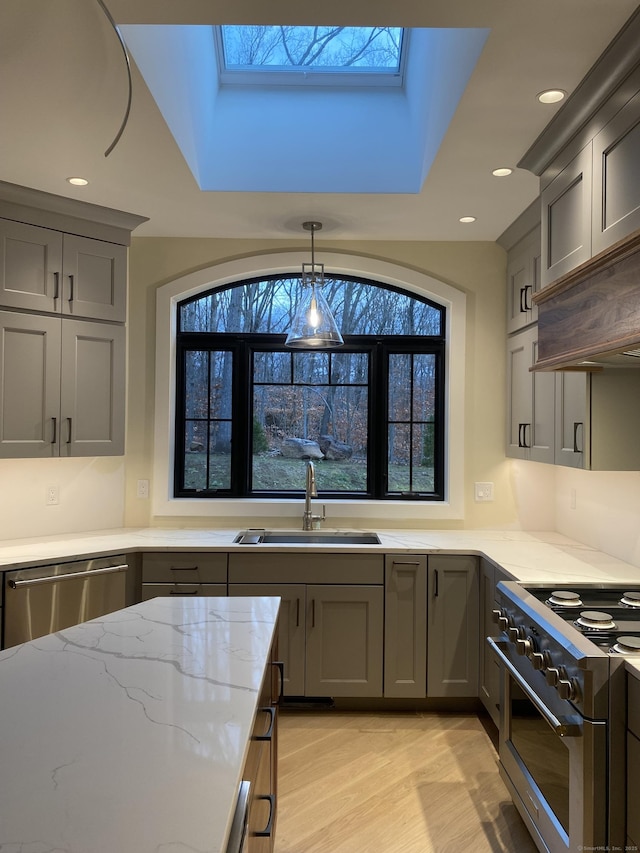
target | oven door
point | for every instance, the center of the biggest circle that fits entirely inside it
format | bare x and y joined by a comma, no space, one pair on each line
552,760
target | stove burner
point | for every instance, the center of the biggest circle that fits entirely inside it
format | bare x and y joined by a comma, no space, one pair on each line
631,599
562,598
627,646
594,619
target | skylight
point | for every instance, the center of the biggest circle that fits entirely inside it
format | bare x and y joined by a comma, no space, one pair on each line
326,56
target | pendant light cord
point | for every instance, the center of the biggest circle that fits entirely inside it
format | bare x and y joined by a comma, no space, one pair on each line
128,64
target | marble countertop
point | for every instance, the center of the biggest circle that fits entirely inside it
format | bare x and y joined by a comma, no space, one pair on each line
544,556
129,733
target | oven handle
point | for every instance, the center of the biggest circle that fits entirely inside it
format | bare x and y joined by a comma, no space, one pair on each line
90,573
561,726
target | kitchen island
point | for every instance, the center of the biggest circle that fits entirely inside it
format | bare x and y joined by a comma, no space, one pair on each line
130,733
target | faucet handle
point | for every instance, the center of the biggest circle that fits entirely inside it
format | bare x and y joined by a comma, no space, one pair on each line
316,520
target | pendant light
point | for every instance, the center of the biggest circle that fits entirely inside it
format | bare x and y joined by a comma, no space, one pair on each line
314,326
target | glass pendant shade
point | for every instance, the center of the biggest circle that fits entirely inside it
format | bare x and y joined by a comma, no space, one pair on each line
313,326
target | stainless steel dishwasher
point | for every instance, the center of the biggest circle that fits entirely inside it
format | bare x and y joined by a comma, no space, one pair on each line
45,599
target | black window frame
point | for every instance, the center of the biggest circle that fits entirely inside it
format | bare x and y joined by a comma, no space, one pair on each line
244,345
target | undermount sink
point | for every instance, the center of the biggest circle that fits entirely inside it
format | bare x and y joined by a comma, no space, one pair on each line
306,537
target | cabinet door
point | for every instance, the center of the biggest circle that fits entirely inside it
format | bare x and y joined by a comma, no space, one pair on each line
344,640
93,389
30,266
95,279
291,628
405,626
453,611
571,418
566,218
523,280
30,386
616,177
530,401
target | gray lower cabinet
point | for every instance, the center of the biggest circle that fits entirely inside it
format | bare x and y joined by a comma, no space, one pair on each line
63,388
44,270
330,637
405,626
291,628
183,574
331,629
345,637
452,637
633,762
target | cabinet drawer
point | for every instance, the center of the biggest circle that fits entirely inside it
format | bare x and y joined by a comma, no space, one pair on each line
192,567
151,590
633,718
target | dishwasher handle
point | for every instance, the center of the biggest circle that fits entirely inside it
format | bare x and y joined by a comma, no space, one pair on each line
90,573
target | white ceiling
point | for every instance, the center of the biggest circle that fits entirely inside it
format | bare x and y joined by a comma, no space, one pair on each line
64,90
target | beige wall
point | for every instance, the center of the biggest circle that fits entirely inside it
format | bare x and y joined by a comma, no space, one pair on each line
478,269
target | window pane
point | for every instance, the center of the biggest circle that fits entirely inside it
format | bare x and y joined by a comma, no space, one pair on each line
272,367
195,455
400,381
311,367
424,379
196,381
219,455
349,368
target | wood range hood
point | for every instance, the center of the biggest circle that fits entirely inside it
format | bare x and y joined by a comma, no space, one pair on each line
590,317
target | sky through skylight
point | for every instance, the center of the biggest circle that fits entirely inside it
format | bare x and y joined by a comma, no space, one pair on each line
323,49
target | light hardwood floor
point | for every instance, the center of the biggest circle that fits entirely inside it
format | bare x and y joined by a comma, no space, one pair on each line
392,783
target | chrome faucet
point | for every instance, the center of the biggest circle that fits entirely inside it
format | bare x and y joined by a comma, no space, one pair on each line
309,520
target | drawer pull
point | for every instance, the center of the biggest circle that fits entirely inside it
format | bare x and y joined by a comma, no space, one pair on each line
183,592
184,568
280,667
266,832
269,733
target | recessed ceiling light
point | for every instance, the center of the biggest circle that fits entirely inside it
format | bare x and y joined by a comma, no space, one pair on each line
466,219
502,172
551,96
78,182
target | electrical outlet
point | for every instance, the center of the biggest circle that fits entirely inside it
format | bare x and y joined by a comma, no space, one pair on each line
52,495
483,491
142,490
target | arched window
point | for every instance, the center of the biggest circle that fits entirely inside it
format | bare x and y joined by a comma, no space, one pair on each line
250,412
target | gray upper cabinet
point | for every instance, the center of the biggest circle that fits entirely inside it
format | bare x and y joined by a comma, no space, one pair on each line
566,218
30,389
616,177
572,429
530,401
92,400
46,271
63,387
94,278
30,266
523,280
453,656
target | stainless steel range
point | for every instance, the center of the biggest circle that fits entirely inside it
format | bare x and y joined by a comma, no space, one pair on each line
562,732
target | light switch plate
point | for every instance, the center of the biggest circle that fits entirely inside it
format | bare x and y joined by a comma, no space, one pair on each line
483,491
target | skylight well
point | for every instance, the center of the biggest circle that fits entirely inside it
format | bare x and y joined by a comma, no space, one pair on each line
319,56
